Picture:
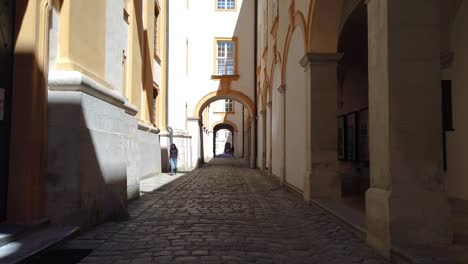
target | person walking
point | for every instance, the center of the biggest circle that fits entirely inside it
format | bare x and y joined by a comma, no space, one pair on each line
173,155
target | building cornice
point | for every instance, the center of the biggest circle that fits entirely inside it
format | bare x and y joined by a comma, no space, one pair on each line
75,81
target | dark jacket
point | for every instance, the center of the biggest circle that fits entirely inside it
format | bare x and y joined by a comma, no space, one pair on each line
174,153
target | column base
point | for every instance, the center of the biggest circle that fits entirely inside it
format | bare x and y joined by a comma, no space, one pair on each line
306,191
325,181
407,217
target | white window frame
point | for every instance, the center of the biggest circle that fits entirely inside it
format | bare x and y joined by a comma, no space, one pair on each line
226,5
225,62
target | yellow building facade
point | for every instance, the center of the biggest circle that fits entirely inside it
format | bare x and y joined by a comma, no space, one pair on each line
88,98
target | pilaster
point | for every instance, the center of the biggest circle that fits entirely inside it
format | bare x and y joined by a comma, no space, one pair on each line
406,204
321,176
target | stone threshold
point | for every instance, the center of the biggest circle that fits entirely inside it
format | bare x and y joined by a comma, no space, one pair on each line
352,219
355,221
29,242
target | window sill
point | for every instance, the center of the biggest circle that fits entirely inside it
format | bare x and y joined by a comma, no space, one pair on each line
234,77
222,113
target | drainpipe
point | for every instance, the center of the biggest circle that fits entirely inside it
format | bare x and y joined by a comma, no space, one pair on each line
167,63
254,144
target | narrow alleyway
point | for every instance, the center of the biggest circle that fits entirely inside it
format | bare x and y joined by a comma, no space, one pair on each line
223,213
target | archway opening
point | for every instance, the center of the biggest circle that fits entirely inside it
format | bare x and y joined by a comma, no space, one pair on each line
223,143
222,128
353,104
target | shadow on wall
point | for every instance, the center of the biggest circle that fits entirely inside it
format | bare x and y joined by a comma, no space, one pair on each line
87,162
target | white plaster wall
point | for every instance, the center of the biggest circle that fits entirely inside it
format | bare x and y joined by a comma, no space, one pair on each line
260,129
182,141
192,32
156,72
295,114
178,85
457,141
54,37
116,42
185,28
277,132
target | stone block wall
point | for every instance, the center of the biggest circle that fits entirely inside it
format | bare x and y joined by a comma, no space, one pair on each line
97,152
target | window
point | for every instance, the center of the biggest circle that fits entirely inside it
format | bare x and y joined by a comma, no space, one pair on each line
447,117
225,54
228,105
225,4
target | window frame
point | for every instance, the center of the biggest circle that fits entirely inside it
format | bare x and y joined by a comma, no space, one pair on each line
215,55
225,9
228,106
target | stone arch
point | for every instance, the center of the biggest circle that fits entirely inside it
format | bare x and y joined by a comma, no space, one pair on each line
218,95
274,65
297,19
227,122
265,89
323,25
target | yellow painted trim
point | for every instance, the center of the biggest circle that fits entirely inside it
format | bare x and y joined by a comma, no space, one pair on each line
274,27
310,18
236,54
265,52
223,94
274,64
157,8
225,122
225,10
68,65
297,20
225,77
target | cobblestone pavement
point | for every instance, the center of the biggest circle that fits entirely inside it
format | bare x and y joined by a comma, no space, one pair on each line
224,213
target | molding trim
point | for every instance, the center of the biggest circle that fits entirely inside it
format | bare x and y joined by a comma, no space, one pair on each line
282,88
320,58
75,81
148,128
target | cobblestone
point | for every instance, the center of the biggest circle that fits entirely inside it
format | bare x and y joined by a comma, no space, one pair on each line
224,213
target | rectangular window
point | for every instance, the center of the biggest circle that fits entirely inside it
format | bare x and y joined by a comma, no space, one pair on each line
225,54
350,129
228,106
447,117
225,4
447,105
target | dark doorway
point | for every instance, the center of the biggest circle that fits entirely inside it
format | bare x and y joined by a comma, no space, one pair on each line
228,149
6,68
353,113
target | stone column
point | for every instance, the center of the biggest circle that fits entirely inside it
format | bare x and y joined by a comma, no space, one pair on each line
253,144
195,130
322,179
264,129
406,204
270,141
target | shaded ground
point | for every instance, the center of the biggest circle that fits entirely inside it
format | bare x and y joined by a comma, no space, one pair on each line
224,213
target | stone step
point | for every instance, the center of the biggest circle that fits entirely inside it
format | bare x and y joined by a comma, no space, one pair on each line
460,225
32,243
10,233
351,218
460,220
